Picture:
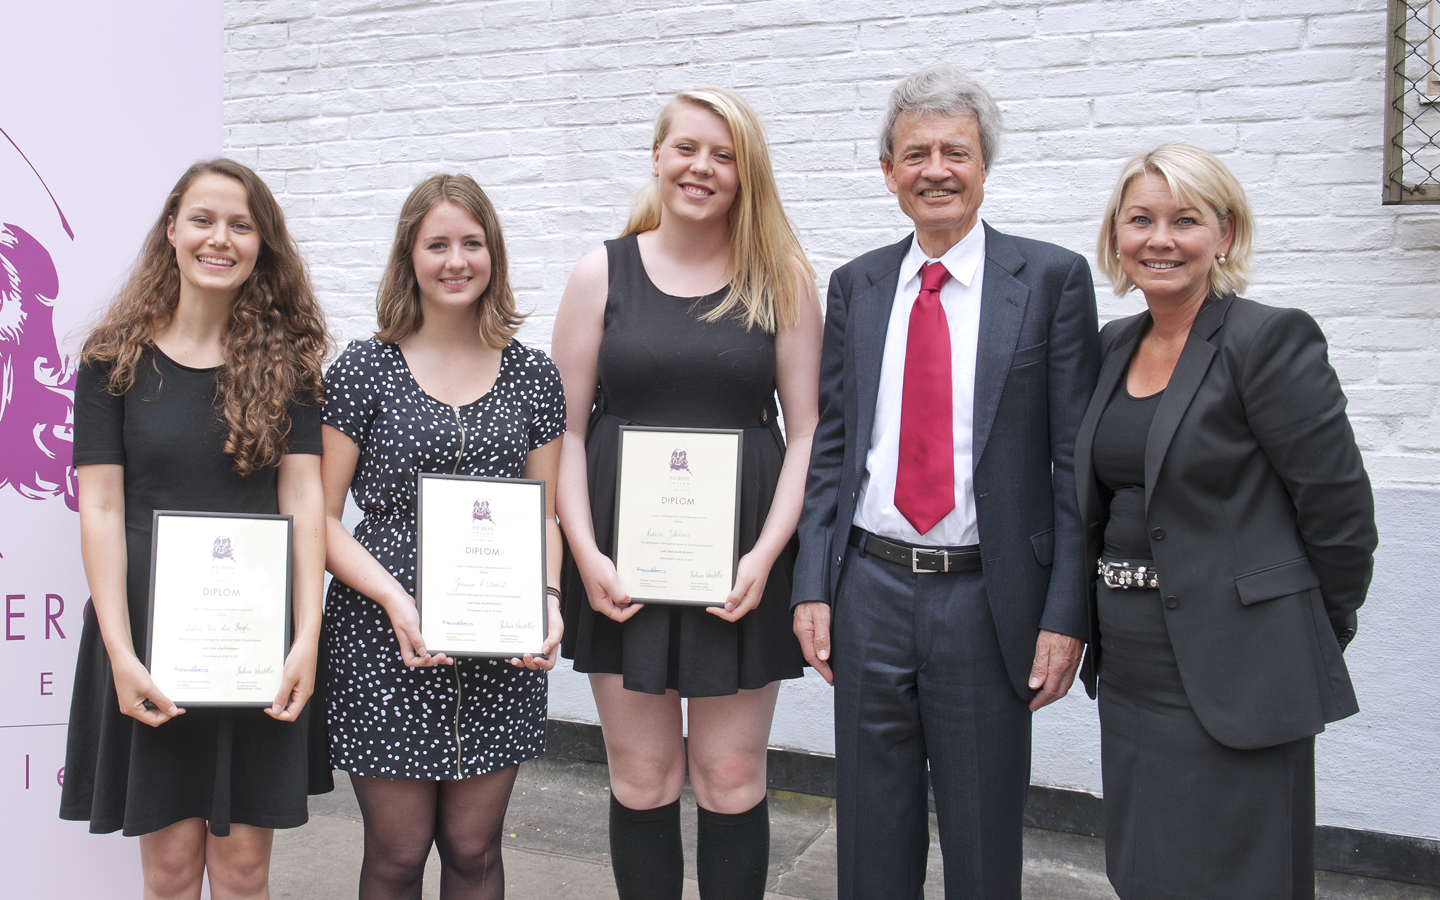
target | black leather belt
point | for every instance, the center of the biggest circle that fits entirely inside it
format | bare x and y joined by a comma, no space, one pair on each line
917,559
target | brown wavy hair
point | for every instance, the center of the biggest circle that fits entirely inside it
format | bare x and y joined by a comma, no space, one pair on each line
275,341
397,302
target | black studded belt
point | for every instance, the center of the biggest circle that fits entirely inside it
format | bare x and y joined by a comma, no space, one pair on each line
917,559
1122,574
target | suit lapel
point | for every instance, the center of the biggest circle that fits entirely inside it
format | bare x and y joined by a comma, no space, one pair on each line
1116,363
869,322
1002,311
1189,371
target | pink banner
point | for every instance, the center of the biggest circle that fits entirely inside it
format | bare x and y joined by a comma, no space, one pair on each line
105,105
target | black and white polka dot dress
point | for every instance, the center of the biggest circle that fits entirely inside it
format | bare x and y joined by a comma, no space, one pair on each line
447,722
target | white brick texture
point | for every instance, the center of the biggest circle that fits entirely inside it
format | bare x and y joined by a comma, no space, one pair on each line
343,105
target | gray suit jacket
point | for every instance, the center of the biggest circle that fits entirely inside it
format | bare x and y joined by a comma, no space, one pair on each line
1035,368
1261,521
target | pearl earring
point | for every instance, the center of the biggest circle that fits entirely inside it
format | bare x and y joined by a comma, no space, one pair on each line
1117,254
1222,259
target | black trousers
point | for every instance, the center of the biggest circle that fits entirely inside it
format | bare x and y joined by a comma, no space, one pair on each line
919,678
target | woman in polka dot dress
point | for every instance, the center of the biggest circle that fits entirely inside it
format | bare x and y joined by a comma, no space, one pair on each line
432,744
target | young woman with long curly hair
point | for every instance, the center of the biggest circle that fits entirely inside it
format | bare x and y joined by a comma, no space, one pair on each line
199,390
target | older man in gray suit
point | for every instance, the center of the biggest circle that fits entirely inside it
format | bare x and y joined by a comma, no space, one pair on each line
940,545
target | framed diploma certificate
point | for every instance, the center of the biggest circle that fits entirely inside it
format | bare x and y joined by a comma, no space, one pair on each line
220,621
677,524
480,577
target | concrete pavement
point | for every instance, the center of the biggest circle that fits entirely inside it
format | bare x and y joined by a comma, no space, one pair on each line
556,839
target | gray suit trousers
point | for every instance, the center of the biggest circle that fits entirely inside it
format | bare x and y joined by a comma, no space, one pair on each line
919,678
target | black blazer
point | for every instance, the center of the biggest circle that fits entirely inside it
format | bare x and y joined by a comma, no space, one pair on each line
1261,520
1035,370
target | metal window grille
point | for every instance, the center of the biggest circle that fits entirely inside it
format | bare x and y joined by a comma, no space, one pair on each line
1412,110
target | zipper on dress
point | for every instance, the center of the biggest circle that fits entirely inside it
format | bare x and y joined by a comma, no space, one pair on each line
461,455
459,689
459,701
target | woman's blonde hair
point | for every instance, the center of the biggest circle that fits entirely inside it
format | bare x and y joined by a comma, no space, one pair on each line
765,254
397,302
274,342
1195,177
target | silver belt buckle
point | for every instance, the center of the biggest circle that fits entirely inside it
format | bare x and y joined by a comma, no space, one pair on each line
915,561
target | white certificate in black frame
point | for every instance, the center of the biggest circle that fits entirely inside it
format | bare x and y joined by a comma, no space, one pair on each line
480,573
220,607
677,514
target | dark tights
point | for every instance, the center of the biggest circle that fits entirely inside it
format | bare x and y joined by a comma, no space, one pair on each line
462,818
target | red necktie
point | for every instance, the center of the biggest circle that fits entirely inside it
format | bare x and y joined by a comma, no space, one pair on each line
925,475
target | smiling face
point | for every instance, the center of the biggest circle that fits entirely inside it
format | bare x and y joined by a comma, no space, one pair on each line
451,259
696,165
1166,245
938,175
214,236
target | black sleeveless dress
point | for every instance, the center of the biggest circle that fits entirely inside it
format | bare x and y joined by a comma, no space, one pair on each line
660,365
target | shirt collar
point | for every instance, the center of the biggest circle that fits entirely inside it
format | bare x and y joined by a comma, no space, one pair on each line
962,261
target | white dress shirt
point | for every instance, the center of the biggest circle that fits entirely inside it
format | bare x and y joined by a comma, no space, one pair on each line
960,297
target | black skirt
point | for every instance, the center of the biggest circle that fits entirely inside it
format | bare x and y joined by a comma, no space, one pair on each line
223,765
1187,818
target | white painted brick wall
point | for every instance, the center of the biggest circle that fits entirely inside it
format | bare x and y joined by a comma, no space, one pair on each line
344,104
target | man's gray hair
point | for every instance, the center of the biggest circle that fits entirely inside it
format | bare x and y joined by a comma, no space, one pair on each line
943,90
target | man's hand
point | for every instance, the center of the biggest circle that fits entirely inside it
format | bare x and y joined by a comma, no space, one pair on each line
812,627
1056,658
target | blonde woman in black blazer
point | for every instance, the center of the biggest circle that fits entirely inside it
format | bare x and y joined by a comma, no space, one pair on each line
1232,519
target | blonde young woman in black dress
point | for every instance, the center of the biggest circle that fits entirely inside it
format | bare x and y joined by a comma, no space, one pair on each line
696,316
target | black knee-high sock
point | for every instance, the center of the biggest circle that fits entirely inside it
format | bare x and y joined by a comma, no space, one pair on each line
645,851
732,853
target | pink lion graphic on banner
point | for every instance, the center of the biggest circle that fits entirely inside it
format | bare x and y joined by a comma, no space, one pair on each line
37,385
